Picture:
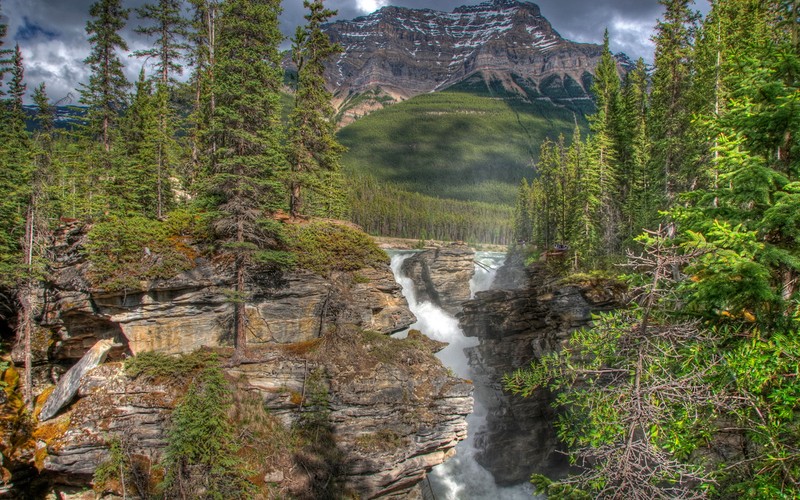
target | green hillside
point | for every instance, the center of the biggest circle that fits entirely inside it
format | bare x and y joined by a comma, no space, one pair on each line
472,143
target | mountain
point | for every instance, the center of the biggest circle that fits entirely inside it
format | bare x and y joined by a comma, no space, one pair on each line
396,53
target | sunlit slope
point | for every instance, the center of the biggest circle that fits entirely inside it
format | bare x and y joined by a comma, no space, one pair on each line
458,144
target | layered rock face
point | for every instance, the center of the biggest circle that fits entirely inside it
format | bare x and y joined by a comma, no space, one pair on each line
392,419
192,309
533,315
394,410
406,52
441,275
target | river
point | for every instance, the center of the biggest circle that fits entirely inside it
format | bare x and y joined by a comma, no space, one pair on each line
461,477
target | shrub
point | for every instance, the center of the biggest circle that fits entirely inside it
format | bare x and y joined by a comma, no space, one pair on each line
324,247
201,457
125,251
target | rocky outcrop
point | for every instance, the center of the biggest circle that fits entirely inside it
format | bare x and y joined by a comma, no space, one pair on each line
193,309
396,53
394,413
391,409
516,326
441,275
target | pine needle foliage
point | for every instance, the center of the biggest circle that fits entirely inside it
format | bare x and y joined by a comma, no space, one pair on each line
201,456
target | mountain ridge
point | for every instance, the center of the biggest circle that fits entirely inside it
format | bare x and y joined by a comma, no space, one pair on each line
396,53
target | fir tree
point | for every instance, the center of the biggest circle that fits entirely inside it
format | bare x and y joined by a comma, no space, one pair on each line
106,92
670,114
604,144
245,133
643,197
138,167
313,151
171,30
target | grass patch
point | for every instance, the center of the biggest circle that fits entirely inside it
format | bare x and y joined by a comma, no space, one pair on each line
381,441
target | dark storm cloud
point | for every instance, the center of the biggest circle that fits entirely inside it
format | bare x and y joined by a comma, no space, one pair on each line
52,33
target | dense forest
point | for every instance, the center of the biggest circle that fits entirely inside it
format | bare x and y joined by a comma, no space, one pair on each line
692,170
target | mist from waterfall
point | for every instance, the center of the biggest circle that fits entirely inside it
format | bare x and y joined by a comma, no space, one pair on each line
460,477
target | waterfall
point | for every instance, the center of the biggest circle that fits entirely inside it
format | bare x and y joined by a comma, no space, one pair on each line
461,477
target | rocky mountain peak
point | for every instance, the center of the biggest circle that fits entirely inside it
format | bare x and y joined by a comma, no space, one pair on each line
403,52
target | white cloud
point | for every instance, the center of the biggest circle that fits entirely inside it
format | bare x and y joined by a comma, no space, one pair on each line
368,6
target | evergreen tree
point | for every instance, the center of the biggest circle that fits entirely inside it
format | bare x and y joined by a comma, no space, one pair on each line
5,54
202,56
106,92
245,131
171,30
313,151
604,147
643,197
670,112
523,224
138,166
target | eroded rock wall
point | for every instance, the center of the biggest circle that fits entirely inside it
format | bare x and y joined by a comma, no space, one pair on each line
393,417
394,410
533,315
441,275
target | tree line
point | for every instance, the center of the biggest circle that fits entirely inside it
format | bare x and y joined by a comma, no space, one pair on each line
693,170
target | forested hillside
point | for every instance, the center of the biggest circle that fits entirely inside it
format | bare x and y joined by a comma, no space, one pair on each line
692,390
452,161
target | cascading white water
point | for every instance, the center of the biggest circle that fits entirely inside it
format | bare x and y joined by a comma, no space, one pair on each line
461,477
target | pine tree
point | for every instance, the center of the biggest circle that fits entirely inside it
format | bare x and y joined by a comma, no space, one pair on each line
106,92
604,146
523,224
313,151
202,56
5,54
643,198
171,30
670,114
245,131
137,172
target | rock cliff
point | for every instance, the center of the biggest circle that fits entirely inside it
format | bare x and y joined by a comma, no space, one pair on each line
392,409
441,275
396,53
533,312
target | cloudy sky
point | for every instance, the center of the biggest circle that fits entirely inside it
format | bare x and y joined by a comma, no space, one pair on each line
51,33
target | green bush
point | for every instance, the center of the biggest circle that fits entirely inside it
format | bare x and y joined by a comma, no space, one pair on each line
201,455
157,365
123,251
324,247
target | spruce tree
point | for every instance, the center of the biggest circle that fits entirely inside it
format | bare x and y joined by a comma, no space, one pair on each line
643,197
313,151
245,131
137,191
171,30
106,92
604,146
202,57
670,114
